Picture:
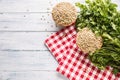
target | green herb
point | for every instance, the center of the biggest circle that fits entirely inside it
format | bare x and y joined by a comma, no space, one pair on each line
102,17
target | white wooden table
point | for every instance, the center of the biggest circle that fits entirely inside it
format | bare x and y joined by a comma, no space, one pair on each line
24,25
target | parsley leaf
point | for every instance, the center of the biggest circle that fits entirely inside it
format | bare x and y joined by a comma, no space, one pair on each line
102,17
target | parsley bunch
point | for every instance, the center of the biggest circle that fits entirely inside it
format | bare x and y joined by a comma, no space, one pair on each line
103,18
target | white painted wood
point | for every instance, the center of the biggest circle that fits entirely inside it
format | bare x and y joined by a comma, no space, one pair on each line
30,5
32,75
27,22
23,40
25,5
33,5
27,61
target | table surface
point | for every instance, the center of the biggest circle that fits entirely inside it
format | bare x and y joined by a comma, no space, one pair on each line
24,25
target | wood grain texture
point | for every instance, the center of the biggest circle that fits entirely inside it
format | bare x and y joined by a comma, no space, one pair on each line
33,5
27,22
30,5
25,5
27,61
24,25
31,75
16,41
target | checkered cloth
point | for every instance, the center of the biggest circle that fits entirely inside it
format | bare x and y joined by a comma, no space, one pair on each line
73,63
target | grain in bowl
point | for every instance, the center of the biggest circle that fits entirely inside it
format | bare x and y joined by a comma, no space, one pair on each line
64,14
87,41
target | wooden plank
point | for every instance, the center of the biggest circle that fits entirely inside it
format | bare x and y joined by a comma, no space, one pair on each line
27,22
23,40
30,5
25,5
27,61
32,75
33,5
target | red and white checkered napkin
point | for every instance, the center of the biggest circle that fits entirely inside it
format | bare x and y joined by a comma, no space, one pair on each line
72,62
